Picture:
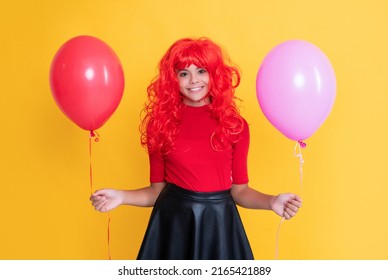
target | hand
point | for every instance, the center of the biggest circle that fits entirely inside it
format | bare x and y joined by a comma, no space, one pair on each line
286,205
105,200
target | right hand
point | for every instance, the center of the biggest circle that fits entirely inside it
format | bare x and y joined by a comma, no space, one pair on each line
286,205
105,200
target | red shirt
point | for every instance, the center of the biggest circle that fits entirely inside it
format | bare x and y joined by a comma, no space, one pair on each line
194,164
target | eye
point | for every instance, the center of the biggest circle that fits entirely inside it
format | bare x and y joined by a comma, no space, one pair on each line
202,71
182,74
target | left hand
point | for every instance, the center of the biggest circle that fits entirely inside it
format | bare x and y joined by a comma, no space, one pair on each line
286,205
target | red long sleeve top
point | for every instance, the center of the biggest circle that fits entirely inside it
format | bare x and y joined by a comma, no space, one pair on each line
194,164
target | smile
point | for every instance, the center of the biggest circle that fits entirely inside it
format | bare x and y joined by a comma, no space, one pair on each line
195,89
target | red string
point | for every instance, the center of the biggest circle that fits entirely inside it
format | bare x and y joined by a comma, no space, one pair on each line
94,135
109,237
90,166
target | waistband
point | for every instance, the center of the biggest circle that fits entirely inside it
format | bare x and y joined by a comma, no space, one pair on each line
198,195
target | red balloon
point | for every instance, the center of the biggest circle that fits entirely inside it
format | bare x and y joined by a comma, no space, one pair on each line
87,81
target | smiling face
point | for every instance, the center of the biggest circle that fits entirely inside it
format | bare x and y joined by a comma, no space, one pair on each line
193,83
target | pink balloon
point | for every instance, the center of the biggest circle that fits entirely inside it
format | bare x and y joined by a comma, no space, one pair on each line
87,81
296,88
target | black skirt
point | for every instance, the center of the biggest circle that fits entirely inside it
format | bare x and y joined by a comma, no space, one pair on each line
186,225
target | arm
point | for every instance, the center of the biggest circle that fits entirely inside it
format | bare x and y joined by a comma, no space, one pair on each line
105,200
285,205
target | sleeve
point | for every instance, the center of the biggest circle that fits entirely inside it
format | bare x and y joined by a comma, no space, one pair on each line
240,157
157,173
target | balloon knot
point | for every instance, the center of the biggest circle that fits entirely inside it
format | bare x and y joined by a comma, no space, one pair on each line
302,144
95,135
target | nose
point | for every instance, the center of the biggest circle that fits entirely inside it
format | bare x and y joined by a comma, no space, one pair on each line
194,79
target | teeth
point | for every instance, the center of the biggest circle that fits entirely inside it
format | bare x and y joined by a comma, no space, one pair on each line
194,89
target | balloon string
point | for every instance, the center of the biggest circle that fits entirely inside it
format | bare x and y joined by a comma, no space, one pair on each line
277,239
109,237
96,137
297,153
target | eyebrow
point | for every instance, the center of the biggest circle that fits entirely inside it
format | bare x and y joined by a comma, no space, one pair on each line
187,69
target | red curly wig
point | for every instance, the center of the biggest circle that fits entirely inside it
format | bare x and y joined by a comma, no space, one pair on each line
160,123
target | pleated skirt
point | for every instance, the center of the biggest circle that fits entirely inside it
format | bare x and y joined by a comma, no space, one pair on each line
186,225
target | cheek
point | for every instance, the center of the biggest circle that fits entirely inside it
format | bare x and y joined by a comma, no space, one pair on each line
209,84
179,83
180,89
207,80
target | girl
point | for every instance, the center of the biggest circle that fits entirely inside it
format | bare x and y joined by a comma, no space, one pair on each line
198,145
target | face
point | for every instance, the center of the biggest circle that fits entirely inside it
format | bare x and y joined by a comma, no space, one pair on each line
193,84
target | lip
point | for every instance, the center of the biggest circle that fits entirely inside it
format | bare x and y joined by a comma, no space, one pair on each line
195,89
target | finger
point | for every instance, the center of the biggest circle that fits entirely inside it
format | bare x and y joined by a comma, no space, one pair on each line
292,207
295,203
99,192
95,198
96,204
104,208
99,203
291,211
101,207
295,197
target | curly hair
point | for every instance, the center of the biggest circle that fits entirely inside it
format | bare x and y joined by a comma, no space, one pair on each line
162,112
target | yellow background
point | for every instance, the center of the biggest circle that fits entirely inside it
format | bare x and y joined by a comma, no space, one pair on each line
44,182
